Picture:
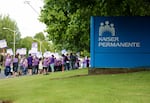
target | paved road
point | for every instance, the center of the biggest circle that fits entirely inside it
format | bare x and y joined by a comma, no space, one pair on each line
2,75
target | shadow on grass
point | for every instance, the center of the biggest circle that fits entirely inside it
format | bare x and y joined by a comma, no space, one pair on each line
59,78
100,71
5,101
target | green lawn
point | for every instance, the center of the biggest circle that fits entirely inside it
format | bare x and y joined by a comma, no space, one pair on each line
56,88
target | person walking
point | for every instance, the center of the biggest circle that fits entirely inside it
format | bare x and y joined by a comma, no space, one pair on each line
30,64
45,65
67,62
15,65
24,66
52,61
8,61
20,69
72,61
87,62
40,66
35,63
63,62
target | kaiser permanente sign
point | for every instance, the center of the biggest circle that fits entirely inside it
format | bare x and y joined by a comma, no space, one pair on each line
120,42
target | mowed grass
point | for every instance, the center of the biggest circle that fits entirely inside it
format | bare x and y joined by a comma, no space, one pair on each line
56,88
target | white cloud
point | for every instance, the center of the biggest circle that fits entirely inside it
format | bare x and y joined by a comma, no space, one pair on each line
24,15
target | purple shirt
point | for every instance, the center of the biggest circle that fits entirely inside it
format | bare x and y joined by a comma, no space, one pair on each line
25,63
30,60
15,60
87,60
52,60
45,62
8,62
21,62
35,61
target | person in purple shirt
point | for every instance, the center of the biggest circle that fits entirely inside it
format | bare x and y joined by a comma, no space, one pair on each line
45,65
24,65
7,70
35,63
52,61
58,65
84,62
15,65
30,64
20,71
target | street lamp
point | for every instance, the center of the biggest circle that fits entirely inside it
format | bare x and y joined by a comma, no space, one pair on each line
14,43
28,2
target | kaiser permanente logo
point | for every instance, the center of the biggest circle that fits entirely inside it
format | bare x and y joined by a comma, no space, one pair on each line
112,40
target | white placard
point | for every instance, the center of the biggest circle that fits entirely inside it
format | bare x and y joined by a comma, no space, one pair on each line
47,54
3,43
21,51
64,51
34,47
9,51
39,54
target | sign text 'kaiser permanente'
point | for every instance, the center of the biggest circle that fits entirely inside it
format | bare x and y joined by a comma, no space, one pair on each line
120,42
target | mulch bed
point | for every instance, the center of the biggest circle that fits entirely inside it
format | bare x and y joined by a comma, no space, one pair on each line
96,71
99,71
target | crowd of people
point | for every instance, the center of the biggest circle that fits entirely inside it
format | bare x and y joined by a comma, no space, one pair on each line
31,65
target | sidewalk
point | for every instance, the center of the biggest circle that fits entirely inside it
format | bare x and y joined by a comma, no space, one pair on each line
2,74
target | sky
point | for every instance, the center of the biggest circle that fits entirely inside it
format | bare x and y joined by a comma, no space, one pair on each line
25,15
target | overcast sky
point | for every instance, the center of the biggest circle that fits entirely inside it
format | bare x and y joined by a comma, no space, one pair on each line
25,16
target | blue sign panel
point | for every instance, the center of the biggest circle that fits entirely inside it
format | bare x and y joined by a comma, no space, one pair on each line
120,42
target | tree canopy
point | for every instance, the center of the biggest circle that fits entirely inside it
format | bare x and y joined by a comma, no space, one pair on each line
39,36
68,21
7,22
7,29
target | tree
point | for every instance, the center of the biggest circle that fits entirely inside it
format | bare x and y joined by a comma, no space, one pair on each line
68,21
26,43
7,22
128,7
39,36
44,43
